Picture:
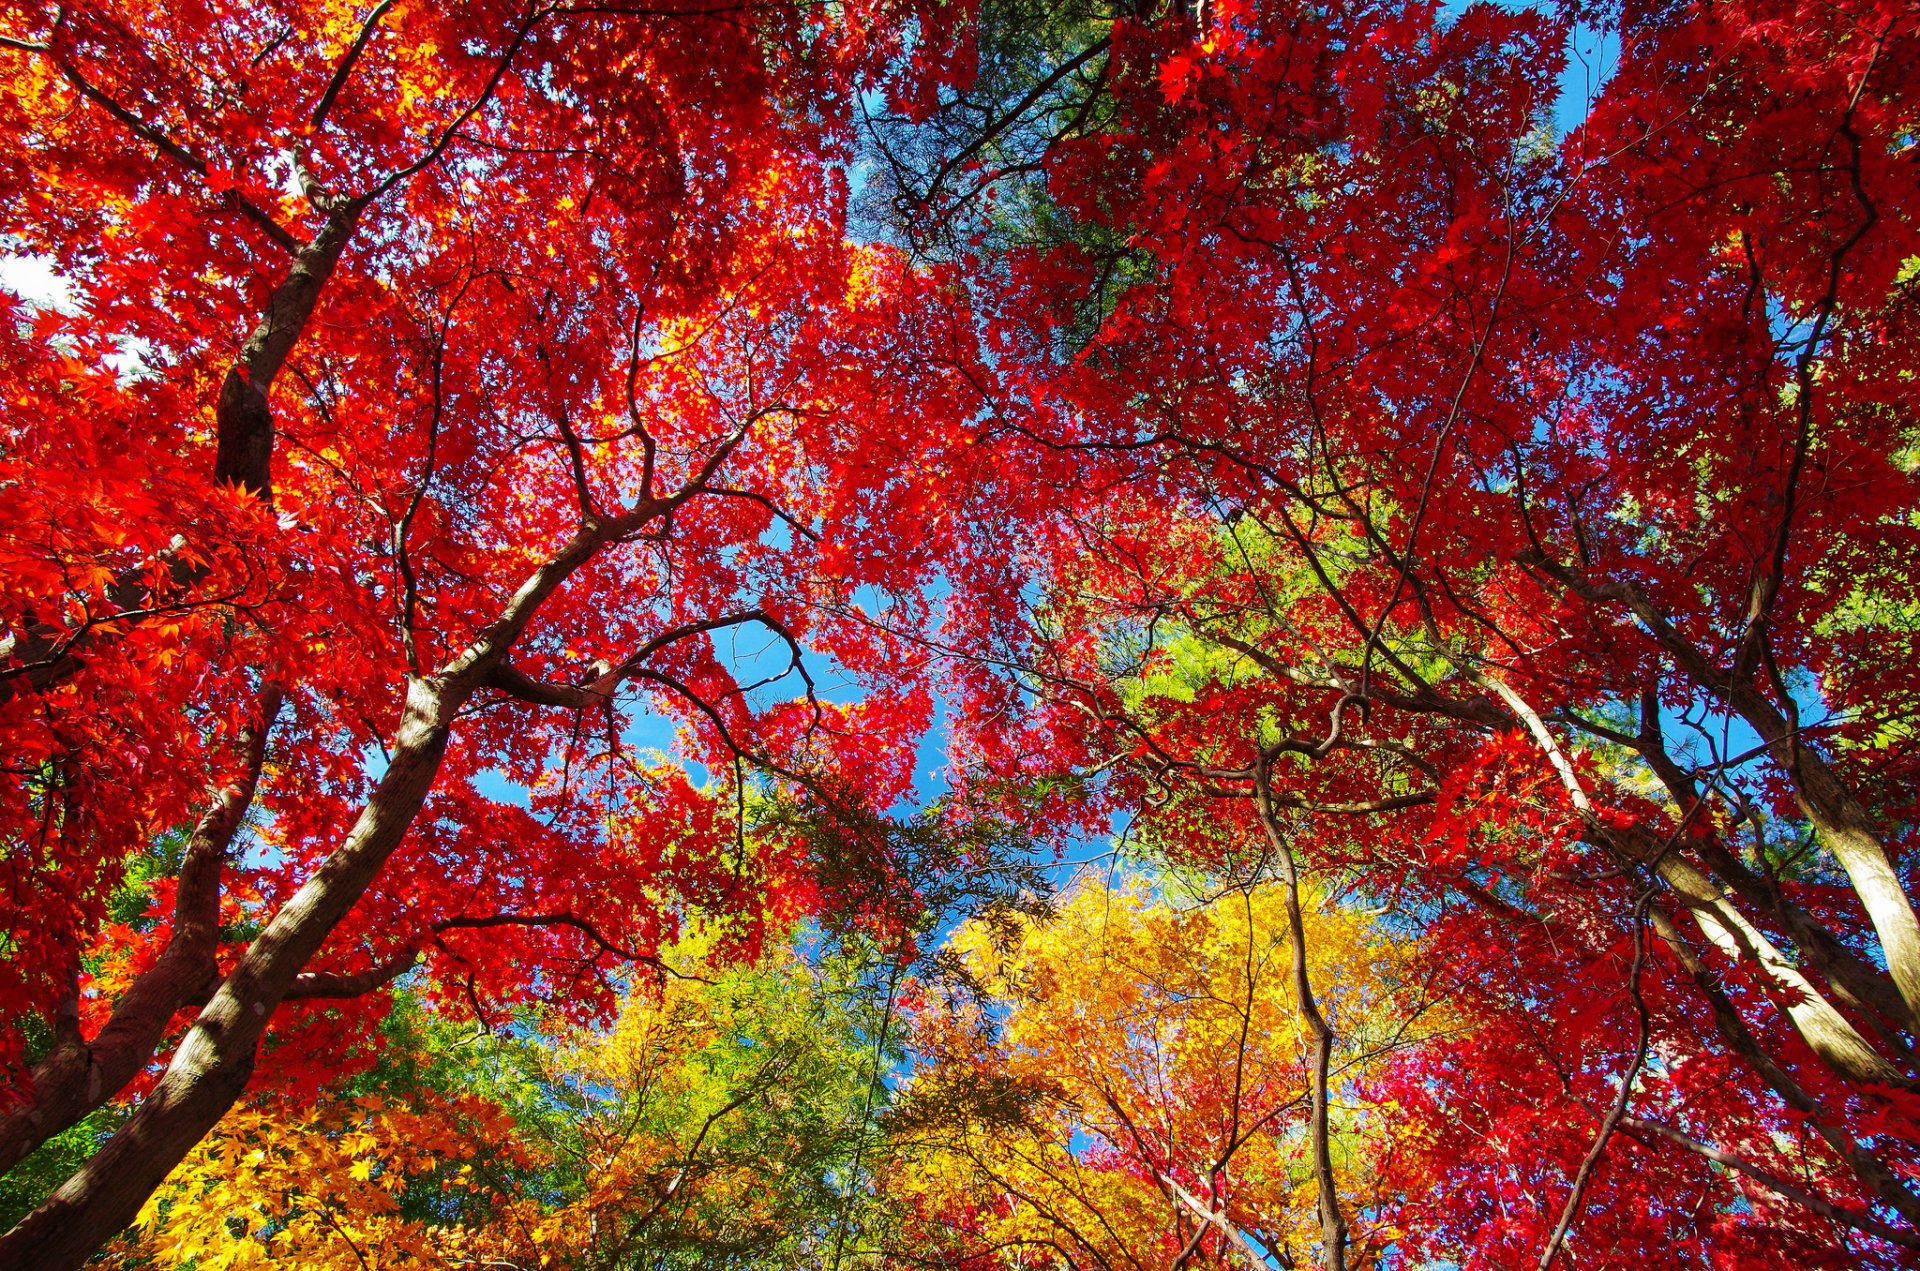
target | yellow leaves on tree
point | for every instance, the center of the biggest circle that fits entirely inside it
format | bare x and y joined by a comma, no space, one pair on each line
1133,1083
321,1189
708,1121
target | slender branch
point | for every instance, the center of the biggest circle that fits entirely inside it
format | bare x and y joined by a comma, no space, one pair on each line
345,69
1642,1031
1333,1222
159,140
1645,1130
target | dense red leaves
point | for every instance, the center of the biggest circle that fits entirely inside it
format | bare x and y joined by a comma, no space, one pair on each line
1436,385
600,261
1349,423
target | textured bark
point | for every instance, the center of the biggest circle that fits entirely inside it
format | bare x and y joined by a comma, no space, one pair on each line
106,1195
214,1061
42,654
77,1076
211,1067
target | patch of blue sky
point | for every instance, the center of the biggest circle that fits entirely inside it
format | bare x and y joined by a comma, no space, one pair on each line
764,667
1593,55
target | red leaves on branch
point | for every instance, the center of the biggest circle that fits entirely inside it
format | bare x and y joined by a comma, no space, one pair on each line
476,460
508,360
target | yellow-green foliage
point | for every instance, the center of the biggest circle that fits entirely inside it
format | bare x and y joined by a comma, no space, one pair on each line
1136,1044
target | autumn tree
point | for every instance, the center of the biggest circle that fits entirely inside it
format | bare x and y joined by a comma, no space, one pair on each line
733,1114
713,1125
445,393
1100,1059
1377,472
1133,1085
1504,505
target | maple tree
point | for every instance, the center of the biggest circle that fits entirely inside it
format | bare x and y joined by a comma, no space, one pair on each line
1511,519
734,1114
1134,1086
1281,425
713,1125
741,1116
446,392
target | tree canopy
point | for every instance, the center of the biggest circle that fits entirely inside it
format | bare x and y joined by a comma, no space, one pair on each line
586,590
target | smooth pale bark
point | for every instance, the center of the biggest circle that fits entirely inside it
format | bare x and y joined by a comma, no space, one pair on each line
1216,1220
1829,1033
1826,1031
1846,830
1842,823
1868,1168
1854,980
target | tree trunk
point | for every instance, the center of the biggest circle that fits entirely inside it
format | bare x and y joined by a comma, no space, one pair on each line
78,1076
1333,1222
214,1061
